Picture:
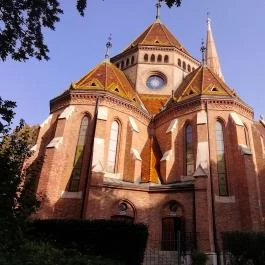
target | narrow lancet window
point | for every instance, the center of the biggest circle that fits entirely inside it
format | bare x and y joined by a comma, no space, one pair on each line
189,151
113,142
78,161
220,153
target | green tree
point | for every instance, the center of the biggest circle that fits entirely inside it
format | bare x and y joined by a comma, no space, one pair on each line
17,196
23,21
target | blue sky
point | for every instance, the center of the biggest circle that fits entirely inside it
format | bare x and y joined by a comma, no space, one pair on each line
78,44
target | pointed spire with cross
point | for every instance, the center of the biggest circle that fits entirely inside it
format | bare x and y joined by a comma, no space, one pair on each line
158,7
108,47
211,56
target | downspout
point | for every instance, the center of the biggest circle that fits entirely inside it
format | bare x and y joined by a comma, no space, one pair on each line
90,160
194,228
212,191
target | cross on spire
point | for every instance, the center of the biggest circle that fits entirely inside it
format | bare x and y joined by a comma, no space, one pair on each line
108,46
203,50
158,7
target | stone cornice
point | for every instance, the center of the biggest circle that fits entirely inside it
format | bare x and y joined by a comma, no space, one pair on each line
81,97
198,103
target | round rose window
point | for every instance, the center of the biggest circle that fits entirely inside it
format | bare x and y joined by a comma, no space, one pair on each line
155,82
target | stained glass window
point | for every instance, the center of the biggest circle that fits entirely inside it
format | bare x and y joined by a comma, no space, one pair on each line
189,151
220,153
77,167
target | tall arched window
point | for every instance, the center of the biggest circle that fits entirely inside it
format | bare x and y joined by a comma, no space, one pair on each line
220,153
146,57
152,58
189,150
179,62
113,143
159,58
78,161
127,62
166,59
132,60
246,140
184,65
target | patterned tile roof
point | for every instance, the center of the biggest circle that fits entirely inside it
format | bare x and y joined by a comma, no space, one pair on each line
202,81
107,77
157,35
154,103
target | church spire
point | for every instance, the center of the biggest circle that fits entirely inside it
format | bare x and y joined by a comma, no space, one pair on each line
212,59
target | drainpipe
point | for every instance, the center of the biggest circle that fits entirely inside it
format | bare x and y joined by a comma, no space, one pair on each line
212,191
90,160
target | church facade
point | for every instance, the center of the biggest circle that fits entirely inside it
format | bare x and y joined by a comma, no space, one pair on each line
152,135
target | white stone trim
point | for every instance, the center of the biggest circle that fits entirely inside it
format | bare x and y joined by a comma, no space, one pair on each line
245,149
167,155
55,142
98,155
236,119
202,158
172,126
48,119
103,113
34,148
202,117
135,154
71,195
133,124
66,114
225,199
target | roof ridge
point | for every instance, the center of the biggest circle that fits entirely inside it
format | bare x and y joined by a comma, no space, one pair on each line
167,36
221,82
190,81
150,28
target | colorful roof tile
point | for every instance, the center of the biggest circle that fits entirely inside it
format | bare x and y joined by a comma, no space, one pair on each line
154,103
157,35
107,77
202,81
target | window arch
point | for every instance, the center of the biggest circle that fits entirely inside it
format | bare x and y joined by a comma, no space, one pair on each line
166,59
127,62
122,64
146,57
79,151
220,154
132,60
184,65
189,159
246,136
189,69
152,58
179,62
113,144
159,58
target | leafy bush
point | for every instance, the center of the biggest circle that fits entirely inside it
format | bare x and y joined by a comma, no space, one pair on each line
199,258
112,239
245,247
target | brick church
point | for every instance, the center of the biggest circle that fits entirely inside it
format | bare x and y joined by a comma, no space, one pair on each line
155,136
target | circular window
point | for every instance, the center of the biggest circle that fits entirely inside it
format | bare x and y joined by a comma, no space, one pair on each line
155,82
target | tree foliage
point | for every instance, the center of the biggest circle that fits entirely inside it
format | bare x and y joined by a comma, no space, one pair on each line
22,23
17,196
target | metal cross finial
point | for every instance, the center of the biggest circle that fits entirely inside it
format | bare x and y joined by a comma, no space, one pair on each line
158,6
208,20
203,50
108,46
